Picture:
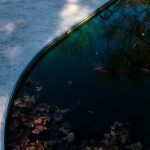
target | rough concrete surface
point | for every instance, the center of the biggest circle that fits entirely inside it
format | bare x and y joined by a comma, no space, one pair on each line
25,27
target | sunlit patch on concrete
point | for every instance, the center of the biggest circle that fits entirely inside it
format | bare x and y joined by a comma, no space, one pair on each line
13,52
11,26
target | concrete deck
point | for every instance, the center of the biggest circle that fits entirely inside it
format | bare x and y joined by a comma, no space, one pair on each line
25,27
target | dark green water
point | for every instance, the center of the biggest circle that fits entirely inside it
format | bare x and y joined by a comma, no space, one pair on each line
101,72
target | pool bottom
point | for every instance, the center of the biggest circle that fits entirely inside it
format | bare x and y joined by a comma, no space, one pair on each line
41,126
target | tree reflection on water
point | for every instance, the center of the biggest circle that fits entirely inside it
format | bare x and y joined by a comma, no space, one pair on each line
125,26
128,36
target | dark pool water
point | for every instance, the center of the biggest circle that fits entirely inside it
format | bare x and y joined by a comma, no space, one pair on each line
101,73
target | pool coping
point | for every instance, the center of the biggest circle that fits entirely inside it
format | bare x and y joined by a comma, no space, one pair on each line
36,59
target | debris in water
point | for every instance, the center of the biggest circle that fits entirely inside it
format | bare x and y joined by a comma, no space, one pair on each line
134,45
91,112
146,70
69,135
63,111
98,68
70,82
39,88
27,82
38,129
143,34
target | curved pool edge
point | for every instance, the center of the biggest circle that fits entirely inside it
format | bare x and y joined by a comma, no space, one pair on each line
35,60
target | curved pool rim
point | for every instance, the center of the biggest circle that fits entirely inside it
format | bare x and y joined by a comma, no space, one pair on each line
47,48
